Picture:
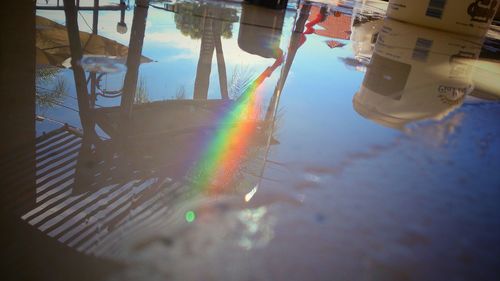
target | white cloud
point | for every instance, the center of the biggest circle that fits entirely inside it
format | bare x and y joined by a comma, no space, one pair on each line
233,55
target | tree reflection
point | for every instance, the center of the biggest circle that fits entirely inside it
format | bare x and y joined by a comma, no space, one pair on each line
210,23
50,89
141,93
105,184
190,19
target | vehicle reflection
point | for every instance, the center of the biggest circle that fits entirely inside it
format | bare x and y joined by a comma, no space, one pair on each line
416,73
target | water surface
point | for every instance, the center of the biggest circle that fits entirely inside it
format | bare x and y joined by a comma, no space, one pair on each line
221,140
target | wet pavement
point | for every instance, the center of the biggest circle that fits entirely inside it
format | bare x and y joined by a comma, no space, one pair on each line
220,140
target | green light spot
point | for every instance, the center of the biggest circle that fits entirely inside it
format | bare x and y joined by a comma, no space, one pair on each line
190,216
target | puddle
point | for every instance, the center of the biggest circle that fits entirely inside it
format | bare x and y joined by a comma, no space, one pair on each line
221,140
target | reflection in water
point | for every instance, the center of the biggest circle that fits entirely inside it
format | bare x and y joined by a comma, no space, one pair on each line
416,73
51,89
86,186
93,190
366,25
180,189
260,31
208,22
190,18
256,232
52,46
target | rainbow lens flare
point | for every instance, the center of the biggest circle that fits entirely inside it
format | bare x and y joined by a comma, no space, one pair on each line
225,151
